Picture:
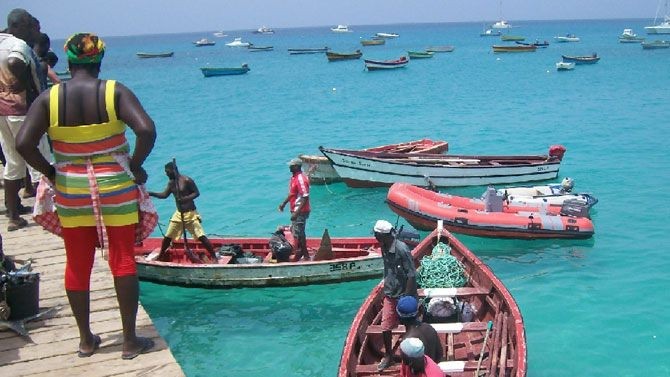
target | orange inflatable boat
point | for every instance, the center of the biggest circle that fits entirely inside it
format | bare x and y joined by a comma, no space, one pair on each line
422,208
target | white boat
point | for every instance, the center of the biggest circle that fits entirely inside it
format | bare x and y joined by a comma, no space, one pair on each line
264,30
554,194
341,29
237,42
490,33
565,66
664,26
387,35
628,36
502,24
220,34
204,42
567,38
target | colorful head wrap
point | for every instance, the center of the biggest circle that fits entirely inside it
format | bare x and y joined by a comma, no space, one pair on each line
84,48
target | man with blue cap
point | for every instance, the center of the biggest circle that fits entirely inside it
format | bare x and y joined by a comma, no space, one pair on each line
408,311
399,280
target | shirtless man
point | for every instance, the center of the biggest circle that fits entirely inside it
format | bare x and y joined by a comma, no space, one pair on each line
185,191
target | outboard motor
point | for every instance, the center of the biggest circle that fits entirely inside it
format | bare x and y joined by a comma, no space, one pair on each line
557,151
567,184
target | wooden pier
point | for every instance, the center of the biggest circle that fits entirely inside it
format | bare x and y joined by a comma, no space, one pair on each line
50,348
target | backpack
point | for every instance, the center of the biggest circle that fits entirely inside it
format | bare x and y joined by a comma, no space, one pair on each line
281,248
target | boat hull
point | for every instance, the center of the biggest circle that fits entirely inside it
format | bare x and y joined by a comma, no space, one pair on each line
581,60
362,169
337,56
354,259
146,55
303,51
423,208
320,170
505,351
513,48
380,65
210,72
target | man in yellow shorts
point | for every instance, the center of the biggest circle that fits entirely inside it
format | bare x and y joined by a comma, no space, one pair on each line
186,216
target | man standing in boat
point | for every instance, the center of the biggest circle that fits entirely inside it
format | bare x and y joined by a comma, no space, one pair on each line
186,217
298,199
399,280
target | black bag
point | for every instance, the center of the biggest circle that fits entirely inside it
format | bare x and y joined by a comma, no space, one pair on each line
281,248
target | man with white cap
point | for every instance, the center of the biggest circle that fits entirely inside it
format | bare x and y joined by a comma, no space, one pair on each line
399,280
298,199
415,363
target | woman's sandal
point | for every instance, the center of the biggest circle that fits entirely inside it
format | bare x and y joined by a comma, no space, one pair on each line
96,345
146,345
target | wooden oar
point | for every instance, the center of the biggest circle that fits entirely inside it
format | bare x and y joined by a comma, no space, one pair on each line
177,195
481,353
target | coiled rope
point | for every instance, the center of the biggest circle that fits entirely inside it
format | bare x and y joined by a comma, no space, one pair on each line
441,269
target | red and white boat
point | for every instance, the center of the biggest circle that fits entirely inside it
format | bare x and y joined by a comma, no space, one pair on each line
320,171
469,349
368,169
352,258
423,208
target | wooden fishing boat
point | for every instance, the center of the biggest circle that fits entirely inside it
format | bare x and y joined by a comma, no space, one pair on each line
513,48
440,49
420,54
512,38
351,258
302,51
253,48
653,45
588,59
423,208
538,44
368,169
337,56
380,65
213,71
148,55
320,171
501,349
373,42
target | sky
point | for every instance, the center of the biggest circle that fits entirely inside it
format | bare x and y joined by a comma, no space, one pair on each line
62,18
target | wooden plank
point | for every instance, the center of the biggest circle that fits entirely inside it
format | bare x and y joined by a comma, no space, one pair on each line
503,351
441,328
451,292
450,347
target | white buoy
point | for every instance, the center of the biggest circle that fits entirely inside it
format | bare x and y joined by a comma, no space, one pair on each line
334,89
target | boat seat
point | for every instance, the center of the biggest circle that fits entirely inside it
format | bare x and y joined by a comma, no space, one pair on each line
441,328
451,292
446,367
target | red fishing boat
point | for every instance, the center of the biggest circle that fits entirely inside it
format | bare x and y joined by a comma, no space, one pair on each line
320,171
247,262
493,343
422,208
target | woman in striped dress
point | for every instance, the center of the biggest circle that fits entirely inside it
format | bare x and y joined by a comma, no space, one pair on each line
95,180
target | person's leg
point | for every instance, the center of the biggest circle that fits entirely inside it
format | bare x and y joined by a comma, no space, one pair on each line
80,252
389,321
124,270
195,228
302,236
15,169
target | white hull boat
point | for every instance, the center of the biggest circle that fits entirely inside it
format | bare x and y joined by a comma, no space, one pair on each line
237,42
552,194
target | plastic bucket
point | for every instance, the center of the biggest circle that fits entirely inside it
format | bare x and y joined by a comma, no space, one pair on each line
23,299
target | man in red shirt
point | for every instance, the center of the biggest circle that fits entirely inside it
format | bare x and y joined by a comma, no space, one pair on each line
298,199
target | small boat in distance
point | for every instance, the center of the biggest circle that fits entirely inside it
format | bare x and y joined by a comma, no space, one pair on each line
664,26
380,65
213,71
373,42
237,42
148,55
513,48
502,24
387,35
204,42
536,44
565,66
628,36
420,54
253,48
653,45
220,34
490,343
341,29
567,38
587,59
440,49
337,56
320,171
490,33
301,51
264,30
511,38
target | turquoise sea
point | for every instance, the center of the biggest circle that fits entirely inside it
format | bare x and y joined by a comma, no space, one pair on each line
591,308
